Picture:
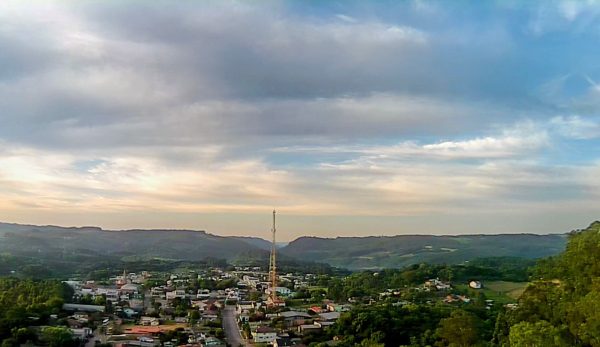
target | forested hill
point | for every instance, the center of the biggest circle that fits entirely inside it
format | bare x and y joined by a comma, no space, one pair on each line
51,242
55,247
47,251
402,250
174,244
562,306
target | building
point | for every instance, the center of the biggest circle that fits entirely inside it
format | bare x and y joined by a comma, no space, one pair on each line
306,328
475,285
245,306
329,316
283,291
149,321
294,318
264,335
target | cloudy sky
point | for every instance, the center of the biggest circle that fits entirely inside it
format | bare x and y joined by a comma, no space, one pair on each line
350,118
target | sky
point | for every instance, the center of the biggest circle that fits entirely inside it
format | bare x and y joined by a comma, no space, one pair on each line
351,118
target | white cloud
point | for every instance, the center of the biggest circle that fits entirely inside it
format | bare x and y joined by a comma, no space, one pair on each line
521,140
231,107
576,127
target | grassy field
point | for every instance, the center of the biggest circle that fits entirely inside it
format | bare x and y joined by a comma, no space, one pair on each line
501,292
511,289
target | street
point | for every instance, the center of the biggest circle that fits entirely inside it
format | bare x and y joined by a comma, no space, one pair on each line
232,332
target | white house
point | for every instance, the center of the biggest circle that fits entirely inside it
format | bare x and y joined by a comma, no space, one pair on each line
179,293
475,285
264,335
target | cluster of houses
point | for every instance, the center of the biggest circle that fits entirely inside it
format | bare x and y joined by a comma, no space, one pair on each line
125,290
275,328
133,306
441,287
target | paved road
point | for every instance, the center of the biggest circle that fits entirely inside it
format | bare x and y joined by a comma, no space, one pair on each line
97,337
232,332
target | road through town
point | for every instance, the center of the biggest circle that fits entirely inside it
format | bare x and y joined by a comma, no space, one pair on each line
232,332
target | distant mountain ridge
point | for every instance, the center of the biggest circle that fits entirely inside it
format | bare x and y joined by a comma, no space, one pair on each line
53,242
373,252
254,241
156,243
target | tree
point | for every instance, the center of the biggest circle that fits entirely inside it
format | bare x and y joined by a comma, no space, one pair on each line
22,335
194,316
584,318
540,333
219,333
58,337
461,329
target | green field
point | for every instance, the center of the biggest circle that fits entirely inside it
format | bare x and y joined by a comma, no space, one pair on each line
511,289
501,292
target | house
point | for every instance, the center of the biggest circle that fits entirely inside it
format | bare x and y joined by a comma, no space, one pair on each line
324,324
130,288
294,318
201,305
158,292
275,302
244,306
129,312
316,309
475,285
264,335
149,321
203,294
179,293
435,283
329,316
304,328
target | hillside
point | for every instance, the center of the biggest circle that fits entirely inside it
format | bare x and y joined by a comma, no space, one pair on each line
44,250
402,250
562,306
254,241
65,250
170,244
60,247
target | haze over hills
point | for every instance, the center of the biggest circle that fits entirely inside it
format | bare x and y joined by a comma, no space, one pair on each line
171,244
79,244
402,250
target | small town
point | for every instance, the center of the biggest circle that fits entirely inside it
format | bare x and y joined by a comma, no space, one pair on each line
236,307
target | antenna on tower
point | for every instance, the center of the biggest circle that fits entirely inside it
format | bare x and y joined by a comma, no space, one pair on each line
273,300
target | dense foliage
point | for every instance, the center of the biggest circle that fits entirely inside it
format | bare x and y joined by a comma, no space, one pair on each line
562,307
23,302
